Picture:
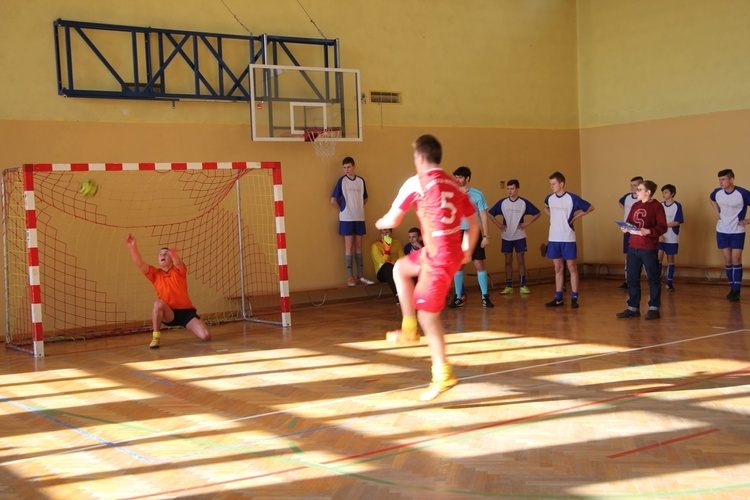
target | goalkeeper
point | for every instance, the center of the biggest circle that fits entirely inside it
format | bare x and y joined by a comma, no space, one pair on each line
173,306
385,253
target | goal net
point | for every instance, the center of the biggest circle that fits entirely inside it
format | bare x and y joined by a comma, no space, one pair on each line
68,270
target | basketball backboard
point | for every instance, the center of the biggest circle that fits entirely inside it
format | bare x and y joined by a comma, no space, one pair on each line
287,100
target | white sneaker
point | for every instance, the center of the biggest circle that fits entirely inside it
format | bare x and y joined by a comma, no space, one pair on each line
364,281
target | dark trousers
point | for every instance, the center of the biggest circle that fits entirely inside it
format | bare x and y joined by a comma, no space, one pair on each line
385,275
638,259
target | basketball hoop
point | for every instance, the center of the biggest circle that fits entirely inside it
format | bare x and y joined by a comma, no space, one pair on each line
324,141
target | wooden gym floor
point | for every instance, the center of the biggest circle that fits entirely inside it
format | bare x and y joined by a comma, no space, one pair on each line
553,403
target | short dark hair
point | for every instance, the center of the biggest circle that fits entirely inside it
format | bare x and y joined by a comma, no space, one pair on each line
637,178
558,177
463,172
346,160
650,186
430,147
416,230
670,188
514,182
728,172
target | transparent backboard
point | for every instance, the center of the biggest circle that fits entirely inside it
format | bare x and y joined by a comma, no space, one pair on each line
287,100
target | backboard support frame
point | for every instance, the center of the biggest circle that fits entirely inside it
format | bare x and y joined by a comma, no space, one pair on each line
318,97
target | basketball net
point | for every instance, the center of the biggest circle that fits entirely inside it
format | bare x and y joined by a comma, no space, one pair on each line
323,141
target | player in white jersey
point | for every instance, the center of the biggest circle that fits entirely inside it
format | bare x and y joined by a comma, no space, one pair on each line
669,241
626,203
730,204
349,198
513,209
563,209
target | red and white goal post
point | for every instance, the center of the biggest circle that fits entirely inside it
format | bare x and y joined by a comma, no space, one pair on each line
68,270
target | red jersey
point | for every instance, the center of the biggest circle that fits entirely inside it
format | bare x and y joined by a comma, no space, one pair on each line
440,204
171,286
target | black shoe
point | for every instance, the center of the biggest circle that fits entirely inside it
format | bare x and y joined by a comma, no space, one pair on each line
486,302
734,296
653,314
574,303
624,285
398,302
628,313
456,303
555,303
670,287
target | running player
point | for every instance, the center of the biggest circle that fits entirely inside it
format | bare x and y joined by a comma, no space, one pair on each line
440,205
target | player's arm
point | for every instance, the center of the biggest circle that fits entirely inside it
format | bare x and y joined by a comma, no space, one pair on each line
470,237
716,208
135,254
335,203
392,219
485,228
581,214
527,223
500,225
176,259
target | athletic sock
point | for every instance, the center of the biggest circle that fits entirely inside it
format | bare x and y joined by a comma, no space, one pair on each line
670,273
358,258
409,324
730,275
441,372
523,280
349,265
737,277
558,296
574,295
458,282
509,283
483,281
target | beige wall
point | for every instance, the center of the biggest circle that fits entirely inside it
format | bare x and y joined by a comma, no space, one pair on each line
663,94
511,118
660,88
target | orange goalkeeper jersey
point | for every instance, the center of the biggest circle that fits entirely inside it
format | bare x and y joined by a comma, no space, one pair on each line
171,286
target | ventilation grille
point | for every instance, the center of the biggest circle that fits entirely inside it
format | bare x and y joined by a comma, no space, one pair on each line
383,97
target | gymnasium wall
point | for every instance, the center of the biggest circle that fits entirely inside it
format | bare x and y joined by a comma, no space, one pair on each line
663,92
514,89
494,81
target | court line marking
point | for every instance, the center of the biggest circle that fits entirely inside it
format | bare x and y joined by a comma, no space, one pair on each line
209,425
662,443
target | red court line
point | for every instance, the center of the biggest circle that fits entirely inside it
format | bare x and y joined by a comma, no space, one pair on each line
465,431
662,443
534,417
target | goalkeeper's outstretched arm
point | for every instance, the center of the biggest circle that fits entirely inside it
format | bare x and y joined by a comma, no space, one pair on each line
135,254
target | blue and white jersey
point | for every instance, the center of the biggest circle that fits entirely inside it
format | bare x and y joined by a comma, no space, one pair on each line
513,212
561,211
351,194
732,209
480,203
628,201
674,214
